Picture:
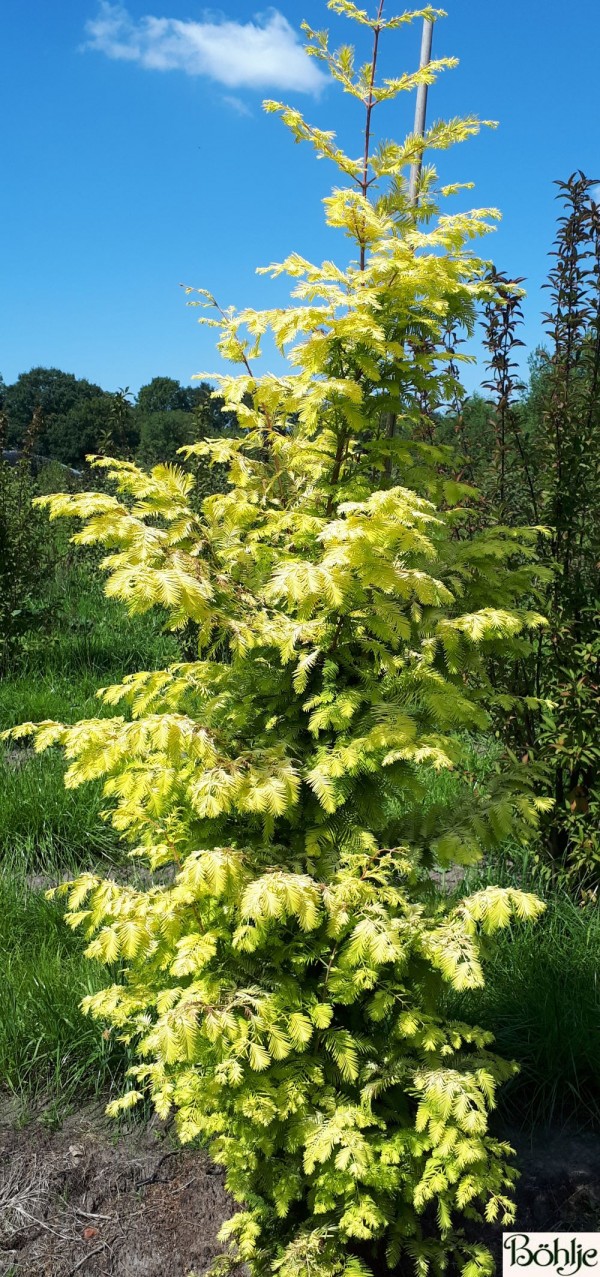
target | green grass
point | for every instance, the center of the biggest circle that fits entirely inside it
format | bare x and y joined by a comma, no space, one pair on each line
48,1048
448,787
31,696
542,1002
81,641
85,635
43,826
86,641
49,1052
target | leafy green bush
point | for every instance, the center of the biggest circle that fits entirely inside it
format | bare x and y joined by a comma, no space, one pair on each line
25,555
568,739
283,991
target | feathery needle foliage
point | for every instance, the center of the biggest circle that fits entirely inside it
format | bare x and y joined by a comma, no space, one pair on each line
283,991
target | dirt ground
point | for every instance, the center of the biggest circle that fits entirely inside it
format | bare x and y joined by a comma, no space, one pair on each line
559,1185
87,1200
94,1200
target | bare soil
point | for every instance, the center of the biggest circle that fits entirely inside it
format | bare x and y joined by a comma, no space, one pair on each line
86,1199
558,1189
99,1200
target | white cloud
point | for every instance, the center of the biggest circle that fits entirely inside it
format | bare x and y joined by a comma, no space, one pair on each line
262,53
236,104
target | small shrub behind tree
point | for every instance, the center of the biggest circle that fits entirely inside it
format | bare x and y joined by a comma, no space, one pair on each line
25,550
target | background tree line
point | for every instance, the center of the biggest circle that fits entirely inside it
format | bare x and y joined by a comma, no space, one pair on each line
77,417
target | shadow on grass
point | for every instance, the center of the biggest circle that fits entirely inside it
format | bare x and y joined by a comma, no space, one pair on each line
542,1003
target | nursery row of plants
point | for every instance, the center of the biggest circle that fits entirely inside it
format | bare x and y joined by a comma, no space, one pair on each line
333,819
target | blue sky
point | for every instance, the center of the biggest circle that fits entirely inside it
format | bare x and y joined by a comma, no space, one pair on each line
136,157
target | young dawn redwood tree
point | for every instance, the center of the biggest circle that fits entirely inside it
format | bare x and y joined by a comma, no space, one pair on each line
283,987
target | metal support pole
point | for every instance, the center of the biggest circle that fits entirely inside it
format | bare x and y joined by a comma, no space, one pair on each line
421,108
